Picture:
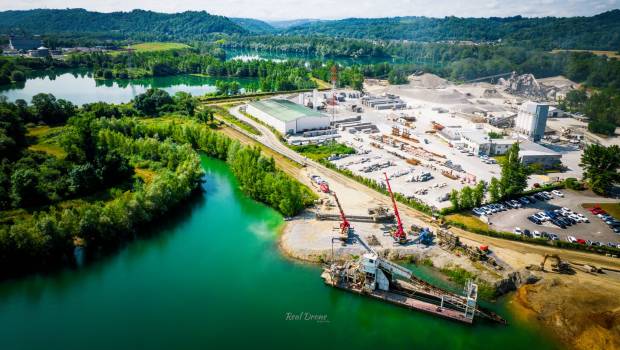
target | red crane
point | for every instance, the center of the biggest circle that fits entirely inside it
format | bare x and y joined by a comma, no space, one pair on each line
345,226
399,234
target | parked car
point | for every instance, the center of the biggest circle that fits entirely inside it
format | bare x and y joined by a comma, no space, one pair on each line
524,200
536,234
540,197
553,237
517,231
527,233
478,211
534,219
581,241
557,193
571,239
558,223
583,218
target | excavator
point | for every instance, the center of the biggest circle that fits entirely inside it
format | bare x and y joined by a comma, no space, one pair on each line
345,226
559,266
399,234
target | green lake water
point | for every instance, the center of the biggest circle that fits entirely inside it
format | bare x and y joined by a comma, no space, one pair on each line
211,277
79,87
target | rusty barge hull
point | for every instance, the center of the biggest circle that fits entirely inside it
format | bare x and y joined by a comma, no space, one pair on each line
401,300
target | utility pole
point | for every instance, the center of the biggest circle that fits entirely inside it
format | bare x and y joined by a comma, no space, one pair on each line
334,71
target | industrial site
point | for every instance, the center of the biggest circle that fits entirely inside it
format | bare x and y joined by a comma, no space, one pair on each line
421,141
432,136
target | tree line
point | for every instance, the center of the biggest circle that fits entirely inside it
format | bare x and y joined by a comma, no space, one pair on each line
601,106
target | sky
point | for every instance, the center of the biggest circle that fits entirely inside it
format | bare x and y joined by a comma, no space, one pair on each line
336,9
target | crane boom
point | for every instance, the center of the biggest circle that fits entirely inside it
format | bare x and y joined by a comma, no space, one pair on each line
344,225
399,234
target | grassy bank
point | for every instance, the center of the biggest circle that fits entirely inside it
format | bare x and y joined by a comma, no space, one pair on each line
222,112
460,276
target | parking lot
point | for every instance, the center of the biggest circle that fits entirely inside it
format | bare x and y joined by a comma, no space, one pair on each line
595,230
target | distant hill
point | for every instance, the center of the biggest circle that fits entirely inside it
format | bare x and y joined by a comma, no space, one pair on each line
254,25
292,23
597,32
137,23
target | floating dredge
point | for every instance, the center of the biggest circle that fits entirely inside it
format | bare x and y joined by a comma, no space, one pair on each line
381,279
376,277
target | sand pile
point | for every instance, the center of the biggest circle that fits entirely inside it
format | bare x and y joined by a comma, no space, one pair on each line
427,81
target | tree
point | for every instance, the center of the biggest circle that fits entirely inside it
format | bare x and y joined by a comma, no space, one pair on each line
454,199
514,174
50,110
600,167
25,188
478,193
466,199
185,103
152,102
495,190
18,76
205,116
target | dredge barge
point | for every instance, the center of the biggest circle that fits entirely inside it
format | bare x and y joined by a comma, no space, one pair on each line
376,277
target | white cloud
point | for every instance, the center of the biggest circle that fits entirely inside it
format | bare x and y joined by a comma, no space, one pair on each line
329,9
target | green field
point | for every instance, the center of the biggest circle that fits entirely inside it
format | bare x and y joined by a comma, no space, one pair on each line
318,152
46,139
157,46
468,220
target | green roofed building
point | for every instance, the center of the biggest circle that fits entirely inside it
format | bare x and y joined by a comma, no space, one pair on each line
287,117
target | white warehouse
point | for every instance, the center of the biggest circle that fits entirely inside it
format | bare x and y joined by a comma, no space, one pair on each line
287,117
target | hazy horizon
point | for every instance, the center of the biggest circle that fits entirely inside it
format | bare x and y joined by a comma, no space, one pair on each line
285,10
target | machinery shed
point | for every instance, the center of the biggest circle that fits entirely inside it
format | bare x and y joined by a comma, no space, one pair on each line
287,117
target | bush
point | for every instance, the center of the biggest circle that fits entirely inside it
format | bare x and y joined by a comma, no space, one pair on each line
574,184
18,76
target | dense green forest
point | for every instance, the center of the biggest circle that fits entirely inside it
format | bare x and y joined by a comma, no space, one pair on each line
254,26
600,32
113,174
137,24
